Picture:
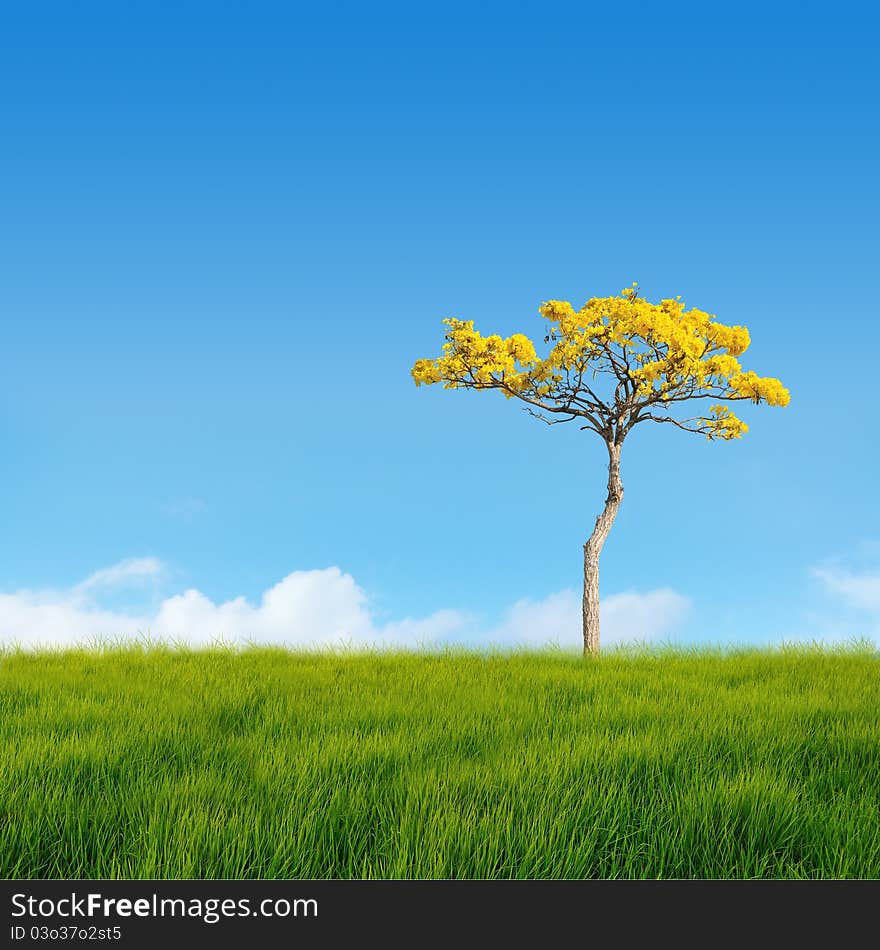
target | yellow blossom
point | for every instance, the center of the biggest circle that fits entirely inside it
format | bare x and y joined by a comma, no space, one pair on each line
652,354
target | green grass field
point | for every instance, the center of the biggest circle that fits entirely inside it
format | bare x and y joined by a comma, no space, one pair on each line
141,762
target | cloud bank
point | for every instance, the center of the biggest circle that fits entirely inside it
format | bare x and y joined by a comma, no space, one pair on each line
854,594
314,608
625,617
856,589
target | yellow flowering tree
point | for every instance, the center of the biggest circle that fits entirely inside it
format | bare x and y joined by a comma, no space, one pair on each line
614,363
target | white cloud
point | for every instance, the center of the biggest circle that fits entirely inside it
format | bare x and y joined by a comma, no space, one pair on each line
623,617
322,606
861,590
849,608
314,608
34,618
650,616
131,570
306,608
554,620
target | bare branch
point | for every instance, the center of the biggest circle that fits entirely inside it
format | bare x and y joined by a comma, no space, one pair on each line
552,422
681,423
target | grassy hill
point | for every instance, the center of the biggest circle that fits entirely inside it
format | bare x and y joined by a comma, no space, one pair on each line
149,762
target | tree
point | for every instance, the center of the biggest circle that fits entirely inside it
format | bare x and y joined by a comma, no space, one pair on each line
648,358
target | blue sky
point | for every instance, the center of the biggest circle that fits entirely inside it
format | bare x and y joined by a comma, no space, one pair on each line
228,230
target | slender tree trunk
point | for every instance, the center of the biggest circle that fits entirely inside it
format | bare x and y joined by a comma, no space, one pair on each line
593,548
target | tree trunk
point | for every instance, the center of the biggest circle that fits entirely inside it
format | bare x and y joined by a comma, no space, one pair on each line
593,548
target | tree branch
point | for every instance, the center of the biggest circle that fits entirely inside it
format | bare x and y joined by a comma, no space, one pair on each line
553,422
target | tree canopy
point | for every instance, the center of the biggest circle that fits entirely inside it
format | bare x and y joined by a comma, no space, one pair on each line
655,355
